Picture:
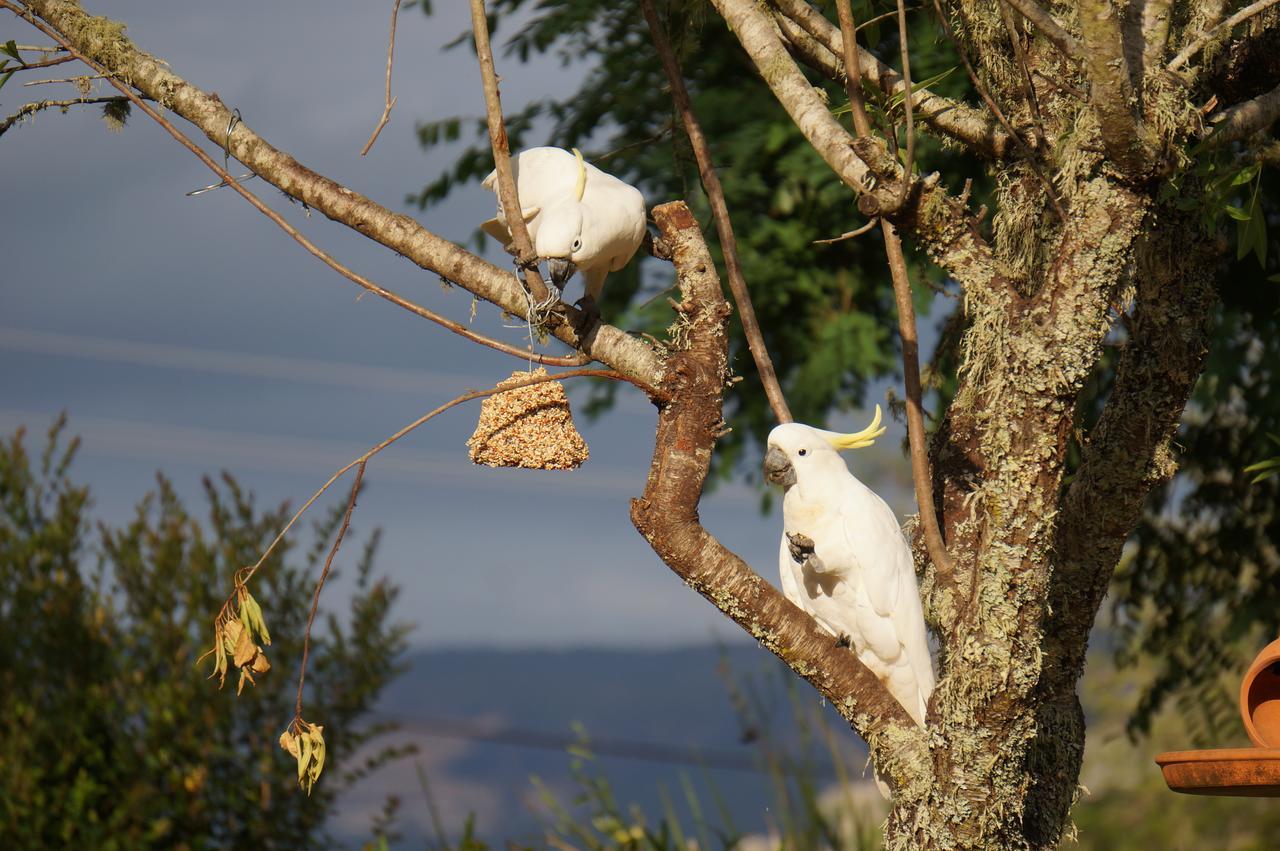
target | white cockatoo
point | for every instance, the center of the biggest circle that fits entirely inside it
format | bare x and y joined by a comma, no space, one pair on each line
845,561
579,217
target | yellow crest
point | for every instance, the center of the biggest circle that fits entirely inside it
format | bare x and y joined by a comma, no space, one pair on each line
859,439
582,174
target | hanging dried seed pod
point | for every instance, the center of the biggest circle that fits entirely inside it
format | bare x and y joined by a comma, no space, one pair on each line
529,427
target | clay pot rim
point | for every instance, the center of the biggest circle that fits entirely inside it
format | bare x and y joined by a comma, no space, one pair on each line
1220,755
1267,656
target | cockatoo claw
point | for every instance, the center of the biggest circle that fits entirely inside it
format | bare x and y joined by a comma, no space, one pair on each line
800,546
589,316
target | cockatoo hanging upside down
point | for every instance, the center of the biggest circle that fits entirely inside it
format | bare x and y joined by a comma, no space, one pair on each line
579,218
845,561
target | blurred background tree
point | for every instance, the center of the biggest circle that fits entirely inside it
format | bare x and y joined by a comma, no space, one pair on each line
113,738
1199,591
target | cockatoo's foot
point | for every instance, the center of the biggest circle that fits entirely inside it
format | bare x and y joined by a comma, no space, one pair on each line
800,547
589,316
844,640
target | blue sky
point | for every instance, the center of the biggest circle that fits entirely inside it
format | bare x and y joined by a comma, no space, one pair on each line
189,335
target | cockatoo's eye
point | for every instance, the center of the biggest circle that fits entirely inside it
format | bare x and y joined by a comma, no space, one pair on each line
804,452
577,245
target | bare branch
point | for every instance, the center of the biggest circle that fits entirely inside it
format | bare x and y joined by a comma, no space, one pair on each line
667,516
1113,98
1197,44
955,119
502,157
389,101
849,234
1028,84
909,163
324,575
921,469
66,22
43,63
720,212
1051,29
1246,118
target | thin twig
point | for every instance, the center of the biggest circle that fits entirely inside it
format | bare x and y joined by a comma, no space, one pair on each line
246,573
66,79
44,63
850,234
921,470
34,107
906,101
1210,34
324,575
36,48
720,212
456,327
507,192
390,101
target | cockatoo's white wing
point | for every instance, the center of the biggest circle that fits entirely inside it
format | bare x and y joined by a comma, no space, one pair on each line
544,177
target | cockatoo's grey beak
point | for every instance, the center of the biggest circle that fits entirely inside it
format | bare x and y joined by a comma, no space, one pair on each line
778,469
561,271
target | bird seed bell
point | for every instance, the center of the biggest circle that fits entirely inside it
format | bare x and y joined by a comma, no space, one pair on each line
530,427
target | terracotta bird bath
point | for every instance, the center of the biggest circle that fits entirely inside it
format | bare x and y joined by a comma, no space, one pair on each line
1249,772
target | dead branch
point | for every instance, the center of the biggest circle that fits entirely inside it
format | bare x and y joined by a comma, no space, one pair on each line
389,101
908,164
667,516
921,469
507,191
1198,43
324,576
67,23
849,234
720,212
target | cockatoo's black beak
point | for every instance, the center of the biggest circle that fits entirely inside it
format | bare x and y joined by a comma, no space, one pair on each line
778,469
561,271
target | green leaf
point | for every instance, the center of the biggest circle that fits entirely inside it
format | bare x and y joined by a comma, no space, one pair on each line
11,48
1236,213
4,78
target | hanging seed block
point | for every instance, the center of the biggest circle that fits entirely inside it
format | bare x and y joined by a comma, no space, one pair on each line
529,427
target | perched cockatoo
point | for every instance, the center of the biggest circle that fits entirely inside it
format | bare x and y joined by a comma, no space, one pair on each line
845,561
579,218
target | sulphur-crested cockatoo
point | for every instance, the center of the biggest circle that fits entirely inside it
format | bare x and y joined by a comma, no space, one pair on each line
579,217
845,561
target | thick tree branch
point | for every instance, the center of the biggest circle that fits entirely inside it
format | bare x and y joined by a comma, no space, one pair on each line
1222,29
720,212
1048,27
955,119
1114,101
667,515
941,224
1245,119
102,40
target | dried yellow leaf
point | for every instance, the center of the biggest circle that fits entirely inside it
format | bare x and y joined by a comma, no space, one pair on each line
289,742
245,649
260,664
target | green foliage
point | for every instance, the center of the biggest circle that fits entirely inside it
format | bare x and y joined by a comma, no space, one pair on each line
826,311
113,738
